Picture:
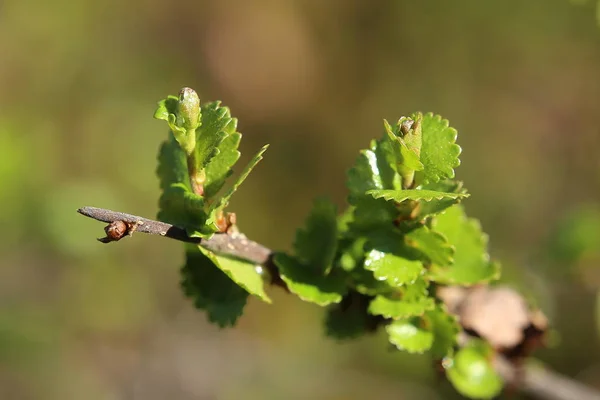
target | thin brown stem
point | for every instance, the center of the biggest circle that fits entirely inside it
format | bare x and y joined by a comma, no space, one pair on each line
537,381
233,245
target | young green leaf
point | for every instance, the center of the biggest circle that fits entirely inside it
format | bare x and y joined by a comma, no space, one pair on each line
179,206
391,268
445,329
436,206
432,244
439,152
245,274
224,201
172,164
364,282
316,243
472,373
413,194
405,157
220,167
373,169
167,110
405,140
364,175
371,214
408,301
211,289
217,124
302,281
166,107
410,334
471,259
390,259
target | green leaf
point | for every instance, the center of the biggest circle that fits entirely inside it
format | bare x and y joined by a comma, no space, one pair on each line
390,259
445,329
172,164
168,110
350,319
436,206
303,282
216,125
391,268
166,107
405,157
224,201
439,152
371,214
411,300
220,167
211,289
472,373
410,335
364,175
243,273
385,164
179,206
413,194
372,170
471,260
432,244
365,283
316,243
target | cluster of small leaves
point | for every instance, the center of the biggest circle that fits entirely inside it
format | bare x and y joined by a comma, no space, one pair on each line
194,164
403,234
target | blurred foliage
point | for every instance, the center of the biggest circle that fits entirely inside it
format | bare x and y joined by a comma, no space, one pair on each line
79,319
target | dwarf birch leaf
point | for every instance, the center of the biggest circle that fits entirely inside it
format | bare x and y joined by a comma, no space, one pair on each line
432,244
303,282
472,374
439,151
471,260
410,335
211,290
245,274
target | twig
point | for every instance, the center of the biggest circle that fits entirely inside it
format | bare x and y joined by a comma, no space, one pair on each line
234,245
543,383
534,380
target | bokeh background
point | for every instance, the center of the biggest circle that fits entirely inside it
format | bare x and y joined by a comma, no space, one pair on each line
79,81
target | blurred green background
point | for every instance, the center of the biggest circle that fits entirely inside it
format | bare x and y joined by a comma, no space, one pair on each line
79,81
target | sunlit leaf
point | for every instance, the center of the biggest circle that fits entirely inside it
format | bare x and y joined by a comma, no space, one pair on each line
302,281
391,260
245,274
435,206
220,167
432,244
410,335
439,152
471,260
472,373
408,301
216,125
413,194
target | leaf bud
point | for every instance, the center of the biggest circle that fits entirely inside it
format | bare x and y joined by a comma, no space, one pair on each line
188,109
